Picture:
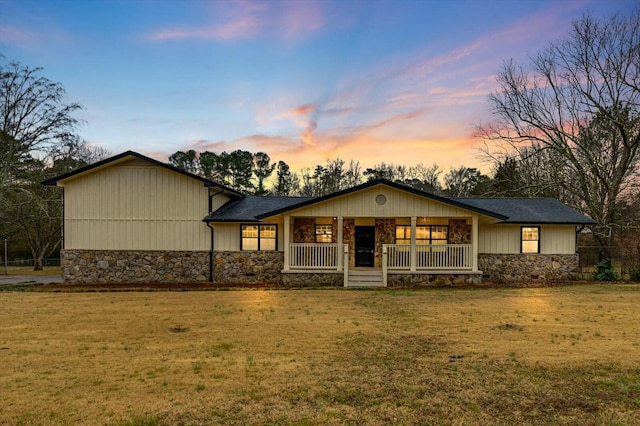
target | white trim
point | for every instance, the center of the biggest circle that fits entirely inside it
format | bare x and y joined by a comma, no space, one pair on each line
287,236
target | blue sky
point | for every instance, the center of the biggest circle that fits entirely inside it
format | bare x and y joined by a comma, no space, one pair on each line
401,81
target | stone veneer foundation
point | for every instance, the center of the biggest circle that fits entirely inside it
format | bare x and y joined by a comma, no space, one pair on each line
248,267
313,279
434,280
525,269
237,267
128,266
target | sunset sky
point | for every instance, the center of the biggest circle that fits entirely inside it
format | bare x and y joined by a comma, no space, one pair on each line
398,81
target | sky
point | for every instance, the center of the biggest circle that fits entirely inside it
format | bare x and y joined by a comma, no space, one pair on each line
398,81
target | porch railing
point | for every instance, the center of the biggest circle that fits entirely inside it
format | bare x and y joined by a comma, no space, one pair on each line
430,256
313,256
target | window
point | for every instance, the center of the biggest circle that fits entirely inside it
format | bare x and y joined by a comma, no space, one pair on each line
324,233
259,237
530,239
425,234
403,234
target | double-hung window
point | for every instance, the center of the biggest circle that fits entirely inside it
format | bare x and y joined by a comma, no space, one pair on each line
261,237
324,233
530,239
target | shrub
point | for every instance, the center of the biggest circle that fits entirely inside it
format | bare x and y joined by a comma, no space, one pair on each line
635,274
605,271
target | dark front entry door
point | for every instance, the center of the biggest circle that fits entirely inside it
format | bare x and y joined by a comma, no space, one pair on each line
365,245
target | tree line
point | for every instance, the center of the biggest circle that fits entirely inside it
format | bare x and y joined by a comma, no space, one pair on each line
257,174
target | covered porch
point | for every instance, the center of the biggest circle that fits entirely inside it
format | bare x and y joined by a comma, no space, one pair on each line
405,247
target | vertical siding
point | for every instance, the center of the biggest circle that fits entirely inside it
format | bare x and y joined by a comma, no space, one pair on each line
554,239
136,206
398,204
558,239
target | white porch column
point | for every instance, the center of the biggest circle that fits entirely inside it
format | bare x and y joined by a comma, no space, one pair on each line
287,235
413,256
474,243
339,241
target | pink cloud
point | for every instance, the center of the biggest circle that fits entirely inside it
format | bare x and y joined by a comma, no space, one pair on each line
244,28
247,19
12,34
31,39
301,18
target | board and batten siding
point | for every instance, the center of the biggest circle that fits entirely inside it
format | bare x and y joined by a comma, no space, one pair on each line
135,205
505,239
363,204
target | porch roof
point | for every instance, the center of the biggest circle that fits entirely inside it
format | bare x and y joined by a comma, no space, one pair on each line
449,201
505,210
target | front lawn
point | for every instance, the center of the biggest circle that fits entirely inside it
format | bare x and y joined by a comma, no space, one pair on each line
565,355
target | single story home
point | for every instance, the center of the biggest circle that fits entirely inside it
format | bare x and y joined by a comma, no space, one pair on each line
133,219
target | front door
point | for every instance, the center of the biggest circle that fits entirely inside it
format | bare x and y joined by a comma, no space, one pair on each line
365,237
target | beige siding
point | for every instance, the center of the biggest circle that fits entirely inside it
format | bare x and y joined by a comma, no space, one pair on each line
226,237
218,200
554,239
135,205
363,204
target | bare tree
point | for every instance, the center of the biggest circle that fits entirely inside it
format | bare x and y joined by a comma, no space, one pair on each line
579,100
37,138
32,115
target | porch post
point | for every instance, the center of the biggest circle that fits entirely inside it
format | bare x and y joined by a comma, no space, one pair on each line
474,243
287,235
339,242
413,258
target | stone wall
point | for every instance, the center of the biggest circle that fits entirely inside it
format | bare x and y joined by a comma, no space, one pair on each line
434,280
385,234
248,267
459,232
304,230
293,279
105,266
349,237
529,268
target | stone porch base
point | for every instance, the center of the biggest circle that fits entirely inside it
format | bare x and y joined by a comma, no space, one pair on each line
523,269
433,279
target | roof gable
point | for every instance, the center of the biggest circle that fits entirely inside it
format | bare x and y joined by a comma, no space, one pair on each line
127,156
415,200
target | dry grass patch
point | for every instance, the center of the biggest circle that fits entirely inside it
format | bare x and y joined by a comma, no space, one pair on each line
515,356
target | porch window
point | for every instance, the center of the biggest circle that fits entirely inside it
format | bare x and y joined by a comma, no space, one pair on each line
530,241
259,237
324,233
425,234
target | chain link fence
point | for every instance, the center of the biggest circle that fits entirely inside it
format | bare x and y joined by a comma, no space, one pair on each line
624,259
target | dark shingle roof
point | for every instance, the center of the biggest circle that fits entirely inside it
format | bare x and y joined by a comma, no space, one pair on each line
530,210
246,209
507,210
385,182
